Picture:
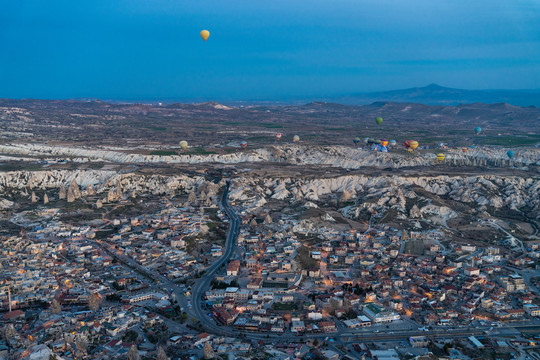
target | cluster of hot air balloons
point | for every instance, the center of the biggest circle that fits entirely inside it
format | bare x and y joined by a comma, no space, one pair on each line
411,145
376,145
296,138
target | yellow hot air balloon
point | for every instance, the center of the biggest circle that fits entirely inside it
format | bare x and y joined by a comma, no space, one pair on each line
205,34
183,144
413,145
296,138
441,157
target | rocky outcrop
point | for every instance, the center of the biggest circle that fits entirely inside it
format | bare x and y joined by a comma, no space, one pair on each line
394,192
339,156
62,194
415,212
6,204
90,190
73,192
106,181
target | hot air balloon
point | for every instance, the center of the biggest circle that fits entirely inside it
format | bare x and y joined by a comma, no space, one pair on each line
366,140
384,142
440,157
243,145
510,154
183,144
356,140
413,145
392,142
296,138
205,34
379,147
477,130
464,150
378,120
278,136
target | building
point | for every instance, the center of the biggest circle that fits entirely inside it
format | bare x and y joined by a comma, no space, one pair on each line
378,314
472,271
233,268
531,309
418,341
298,326
146,297
475,342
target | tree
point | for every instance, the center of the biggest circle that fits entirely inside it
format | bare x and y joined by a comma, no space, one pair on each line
133,353
55,306
93,301
161,355
183,317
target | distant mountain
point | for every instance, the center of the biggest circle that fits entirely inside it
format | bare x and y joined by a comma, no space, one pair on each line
434,94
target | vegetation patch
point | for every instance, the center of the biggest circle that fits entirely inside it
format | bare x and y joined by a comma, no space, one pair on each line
284,306
163,152
304,259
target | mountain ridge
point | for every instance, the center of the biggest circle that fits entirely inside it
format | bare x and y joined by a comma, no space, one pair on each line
435,94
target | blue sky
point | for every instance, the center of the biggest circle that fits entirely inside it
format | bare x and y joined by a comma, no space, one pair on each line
140,49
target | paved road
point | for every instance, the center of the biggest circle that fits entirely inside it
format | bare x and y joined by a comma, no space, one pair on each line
203,284
342,336
209,325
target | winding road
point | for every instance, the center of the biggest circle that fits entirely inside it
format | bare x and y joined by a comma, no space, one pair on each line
203,284
342,336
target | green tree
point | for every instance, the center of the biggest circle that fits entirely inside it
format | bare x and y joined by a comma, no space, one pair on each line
183,317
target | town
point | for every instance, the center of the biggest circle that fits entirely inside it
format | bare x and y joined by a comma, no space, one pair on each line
119,285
